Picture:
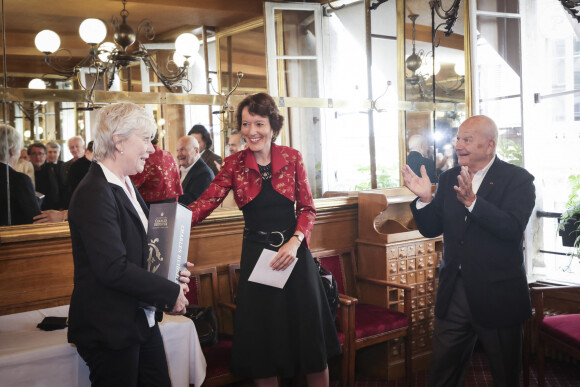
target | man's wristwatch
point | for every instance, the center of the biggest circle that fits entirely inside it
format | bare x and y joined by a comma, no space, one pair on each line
300,237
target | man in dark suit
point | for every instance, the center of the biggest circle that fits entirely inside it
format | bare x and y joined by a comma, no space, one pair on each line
418,150
195,173
46,177
203,137
482,208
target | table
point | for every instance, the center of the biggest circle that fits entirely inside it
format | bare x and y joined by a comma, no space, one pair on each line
32,357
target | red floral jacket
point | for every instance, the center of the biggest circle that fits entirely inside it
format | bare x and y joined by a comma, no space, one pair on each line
160,177
240,173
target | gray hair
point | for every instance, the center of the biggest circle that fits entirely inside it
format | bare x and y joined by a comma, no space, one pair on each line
120,120
10,140
417,141
74,138
53,145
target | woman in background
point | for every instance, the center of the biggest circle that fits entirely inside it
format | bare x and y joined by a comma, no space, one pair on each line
23,202
116,303
277,332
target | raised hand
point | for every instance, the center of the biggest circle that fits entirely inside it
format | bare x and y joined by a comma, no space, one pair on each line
464,189
420,186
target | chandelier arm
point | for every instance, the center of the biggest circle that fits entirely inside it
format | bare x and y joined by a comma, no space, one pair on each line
168,81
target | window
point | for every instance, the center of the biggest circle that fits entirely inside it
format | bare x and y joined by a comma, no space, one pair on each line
522,51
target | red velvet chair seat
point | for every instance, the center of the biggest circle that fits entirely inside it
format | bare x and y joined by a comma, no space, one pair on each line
371,320
218,356
565,327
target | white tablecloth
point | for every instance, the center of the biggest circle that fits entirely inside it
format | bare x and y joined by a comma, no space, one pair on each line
32,357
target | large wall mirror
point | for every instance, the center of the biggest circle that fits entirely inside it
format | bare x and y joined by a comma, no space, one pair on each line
354,130
435,72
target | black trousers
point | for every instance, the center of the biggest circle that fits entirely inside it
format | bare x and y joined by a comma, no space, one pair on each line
142,364
455,336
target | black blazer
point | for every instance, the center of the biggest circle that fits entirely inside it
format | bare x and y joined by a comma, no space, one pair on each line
487,242
210,158
23,202
110,251
196,182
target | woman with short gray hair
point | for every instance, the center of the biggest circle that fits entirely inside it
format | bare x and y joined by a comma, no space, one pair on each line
116,303
18,202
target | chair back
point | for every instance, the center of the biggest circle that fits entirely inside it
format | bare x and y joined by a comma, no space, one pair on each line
333,261
202,292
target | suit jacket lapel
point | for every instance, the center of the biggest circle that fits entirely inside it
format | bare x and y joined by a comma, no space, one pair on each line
490,178
122,197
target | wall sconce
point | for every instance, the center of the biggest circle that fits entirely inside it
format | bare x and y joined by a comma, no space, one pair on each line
109,57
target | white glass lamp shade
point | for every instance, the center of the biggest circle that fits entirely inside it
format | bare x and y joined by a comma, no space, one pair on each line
460,68
47,41
93,31
105,51
187,45
36,83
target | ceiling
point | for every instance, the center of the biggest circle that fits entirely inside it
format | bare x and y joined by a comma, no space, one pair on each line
24,19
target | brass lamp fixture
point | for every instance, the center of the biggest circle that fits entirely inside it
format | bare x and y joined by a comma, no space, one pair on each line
110,57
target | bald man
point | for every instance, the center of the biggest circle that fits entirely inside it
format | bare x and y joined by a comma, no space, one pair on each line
194,172
482,208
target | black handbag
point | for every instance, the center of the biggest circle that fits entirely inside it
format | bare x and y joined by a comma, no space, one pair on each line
206,324
330,287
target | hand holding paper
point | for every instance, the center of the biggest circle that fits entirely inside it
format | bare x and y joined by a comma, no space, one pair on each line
264,274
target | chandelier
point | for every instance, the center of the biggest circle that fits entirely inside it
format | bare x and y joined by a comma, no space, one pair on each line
108,58
423,68
420,66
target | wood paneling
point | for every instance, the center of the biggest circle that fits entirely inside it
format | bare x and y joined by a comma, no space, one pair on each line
36,264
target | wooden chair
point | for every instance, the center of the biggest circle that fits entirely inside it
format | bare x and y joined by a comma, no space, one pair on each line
203,291
363,322
560,331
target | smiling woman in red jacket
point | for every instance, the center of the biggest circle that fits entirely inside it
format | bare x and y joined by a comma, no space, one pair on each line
277,332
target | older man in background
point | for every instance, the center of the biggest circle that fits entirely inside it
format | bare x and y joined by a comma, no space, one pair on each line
76,146
195,173
236,142
53,153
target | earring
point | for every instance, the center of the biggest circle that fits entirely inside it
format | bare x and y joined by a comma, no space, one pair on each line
122,152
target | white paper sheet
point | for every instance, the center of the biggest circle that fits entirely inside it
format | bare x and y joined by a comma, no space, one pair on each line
264,274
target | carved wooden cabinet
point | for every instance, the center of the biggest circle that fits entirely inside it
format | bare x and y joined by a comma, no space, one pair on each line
389,247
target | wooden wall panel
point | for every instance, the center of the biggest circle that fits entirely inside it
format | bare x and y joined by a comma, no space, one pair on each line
36,264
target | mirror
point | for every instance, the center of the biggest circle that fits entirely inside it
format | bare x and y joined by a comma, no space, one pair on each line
435,72
242,48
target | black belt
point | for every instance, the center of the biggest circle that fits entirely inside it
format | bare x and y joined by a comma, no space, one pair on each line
272,238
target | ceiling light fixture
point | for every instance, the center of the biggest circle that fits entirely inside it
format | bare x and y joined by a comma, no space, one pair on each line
109,57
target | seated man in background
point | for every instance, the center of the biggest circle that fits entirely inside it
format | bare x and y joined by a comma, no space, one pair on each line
195,173
418,151
236,142
79,169
23,165
76,146
159,182
201,134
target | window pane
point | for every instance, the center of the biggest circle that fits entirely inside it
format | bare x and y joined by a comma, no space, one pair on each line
509,6
299,33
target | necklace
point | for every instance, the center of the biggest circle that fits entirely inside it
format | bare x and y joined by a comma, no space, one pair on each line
265,171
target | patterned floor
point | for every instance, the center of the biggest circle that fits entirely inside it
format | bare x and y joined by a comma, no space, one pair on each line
557,375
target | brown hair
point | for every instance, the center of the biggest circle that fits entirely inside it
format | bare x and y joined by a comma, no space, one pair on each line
262,104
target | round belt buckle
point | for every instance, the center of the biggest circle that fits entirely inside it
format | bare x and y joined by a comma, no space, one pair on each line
281,239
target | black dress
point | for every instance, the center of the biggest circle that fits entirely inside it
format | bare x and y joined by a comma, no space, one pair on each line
280,332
